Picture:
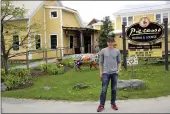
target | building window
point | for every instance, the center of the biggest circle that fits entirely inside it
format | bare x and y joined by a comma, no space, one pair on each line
53,41
15,42
158,18
165,15
38,41
71,41
130,21
124,19
53,14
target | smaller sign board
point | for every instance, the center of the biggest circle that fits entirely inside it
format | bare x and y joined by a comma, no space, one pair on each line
154,46
153,53
133,60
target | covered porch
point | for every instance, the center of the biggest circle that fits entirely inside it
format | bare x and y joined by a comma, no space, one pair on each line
80,40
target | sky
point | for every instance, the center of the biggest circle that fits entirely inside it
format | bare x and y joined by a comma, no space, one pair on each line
99,9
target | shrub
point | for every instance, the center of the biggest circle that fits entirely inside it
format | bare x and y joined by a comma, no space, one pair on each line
43,67
12,81
60,68
52,69
19,72
16,78
71,64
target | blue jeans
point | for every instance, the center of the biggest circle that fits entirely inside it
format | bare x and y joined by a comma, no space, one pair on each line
105,82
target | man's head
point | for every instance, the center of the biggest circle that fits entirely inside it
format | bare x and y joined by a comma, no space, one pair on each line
111,42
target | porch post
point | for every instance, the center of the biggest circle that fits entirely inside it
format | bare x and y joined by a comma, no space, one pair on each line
81,42
92,43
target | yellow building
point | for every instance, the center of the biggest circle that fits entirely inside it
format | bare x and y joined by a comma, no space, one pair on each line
60,27
156,13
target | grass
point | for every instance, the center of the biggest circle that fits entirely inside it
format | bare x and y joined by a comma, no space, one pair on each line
157,82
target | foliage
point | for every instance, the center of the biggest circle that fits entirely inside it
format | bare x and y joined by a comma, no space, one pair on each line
52,68
19,72
16,78
3,75
105,31
68,62
60,68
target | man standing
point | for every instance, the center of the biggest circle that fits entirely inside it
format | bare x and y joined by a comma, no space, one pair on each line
110,62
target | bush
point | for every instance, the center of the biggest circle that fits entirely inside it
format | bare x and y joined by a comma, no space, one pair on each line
68,62
60,68
52,69
12,81
19,72
16,78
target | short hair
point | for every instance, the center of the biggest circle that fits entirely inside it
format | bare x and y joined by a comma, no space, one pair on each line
110,39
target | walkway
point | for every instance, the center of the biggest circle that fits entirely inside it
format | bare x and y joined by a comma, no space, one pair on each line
154,105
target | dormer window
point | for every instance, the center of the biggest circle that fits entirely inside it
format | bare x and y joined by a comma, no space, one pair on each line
127,20
161,16
54,14
130,21
158,18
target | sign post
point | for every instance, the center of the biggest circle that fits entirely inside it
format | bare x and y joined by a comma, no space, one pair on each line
166,42
131,61
124,46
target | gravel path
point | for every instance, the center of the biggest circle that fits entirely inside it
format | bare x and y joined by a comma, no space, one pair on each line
35,64
153,105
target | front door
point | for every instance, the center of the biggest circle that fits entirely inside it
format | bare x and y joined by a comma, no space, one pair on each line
87,43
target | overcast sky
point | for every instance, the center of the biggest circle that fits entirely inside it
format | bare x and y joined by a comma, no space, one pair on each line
98,9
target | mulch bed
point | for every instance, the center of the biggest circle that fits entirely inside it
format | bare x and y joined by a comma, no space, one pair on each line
37,73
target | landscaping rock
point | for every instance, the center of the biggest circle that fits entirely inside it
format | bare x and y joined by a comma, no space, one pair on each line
130,84
46,88
3,87
81,86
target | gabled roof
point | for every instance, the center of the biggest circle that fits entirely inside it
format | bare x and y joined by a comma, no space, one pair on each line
101,23
143,8
31,6
93,21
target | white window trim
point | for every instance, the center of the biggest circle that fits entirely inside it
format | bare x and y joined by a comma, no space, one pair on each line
162,16
73,40
50,40
127,20
53,17
40,40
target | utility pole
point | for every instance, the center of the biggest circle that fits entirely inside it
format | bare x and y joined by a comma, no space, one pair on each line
166,43
124,46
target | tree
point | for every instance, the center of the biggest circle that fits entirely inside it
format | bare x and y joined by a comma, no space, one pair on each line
10,12
105,32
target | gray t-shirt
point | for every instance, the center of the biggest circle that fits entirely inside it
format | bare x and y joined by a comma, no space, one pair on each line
109,59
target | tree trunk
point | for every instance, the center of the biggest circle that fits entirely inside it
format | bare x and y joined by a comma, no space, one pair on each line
5,64
2,62
4,56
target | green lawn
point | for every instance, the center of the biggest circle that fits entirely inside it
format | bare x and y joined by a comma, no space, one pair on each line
156,78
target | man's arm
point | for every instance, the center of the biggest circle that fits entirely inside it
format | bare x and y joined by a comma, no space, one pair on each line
119,61
101,61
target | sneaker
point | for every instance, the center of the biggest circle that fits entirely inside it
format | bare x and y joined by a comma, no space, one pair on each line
114,107
100,108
